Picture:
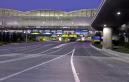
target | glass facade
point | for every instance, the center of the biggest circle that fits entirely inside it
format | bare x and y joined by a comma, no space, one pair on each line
46,17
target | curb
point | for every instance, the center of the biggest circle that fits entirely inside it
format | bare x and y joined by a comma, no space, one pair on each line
98,49
115,53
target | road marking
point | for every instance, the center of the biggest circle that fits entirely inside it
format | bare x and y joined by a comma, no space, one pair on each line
53,48
10,55
30,50
110,65
29,56
59,46
36,48
20,47
30,68
76,78
16,54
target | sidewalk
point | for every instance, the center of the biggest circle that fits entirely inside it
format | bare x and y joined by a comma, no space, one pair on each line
115,53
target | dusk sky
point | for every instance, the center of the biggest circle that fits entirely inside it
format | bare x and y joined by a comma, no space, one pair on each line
64,5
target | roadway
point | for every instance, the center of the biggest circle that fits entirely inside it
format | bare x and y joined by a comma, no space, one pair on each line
59,62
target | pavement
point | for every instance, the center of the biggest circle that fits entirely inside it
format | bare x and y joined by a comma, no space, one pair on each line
60,62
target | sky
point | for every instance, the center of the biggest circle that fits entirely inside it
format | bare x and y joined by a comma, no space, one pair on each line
63,5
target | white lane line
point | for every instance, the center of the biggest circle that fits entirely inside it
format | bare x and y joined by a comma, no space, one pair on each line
53,48
76,78
31,50
24,50
10,55
28,56
20,47
110,65
59,46
30,68
36,48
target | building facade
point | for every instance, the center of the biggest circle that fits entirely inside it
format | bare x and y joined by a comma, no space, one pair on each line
46,18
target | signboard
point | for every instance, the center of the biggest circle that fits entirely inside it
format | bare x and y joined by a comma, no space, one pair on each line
59,32
96,38
78,31
35,32
47,32
53,31
84,32
81,32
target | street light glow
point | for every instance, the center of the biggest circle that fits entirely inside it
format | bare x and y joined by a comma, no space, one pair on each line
105,25
118,13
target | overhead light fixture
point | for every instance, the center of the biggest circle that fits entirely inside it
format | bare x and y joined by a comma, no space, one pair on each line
35,33
104,25
118,13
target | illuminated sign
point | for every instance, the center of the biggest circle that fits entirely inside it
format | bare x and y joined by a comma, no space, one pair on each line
47,32
59,32
81,32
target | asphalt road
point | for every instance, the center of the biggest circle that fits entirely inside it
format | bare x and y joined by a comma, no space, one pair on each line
59,62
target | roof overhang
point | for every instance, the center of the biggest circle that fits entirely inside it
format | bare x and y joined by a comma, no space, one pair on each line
108,14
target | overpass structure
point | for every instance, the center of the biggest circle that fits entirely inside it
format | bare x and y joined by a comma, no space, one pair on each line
13,19
111,15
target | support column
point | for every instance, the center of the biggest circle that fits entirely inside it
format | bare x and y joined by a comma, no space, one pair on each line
107,38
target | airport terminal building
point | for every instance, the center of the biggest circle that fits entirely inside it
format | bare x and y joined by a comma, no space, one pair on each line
52,23
46,18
